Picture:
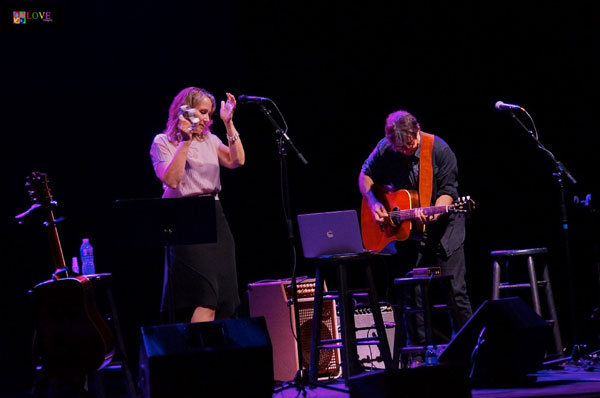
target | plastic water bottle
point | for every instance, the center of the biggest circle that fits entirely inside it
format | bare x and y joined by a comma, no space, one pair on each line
431,356
87,257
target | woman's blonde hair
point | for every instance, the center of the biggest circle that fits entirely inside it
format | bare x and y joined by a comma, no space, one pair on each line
190,96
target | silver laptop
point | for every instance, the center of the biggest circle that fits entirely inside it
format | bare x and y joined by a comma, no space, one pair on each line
324,234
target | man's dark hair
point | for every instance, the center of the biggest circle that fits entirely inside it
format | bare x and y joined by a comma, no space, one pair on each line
401,125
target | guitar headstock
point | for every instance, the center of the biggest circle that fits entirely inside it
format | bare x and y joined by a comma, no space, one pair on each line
464,204
38,189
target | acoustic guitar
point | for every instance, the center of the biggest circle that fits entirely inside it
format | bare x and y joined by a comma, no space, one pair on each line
71,337
402,223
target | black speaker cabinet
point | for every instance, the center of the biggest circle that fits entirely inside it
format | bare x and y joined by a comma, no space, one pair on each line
503,341
220,358
441,380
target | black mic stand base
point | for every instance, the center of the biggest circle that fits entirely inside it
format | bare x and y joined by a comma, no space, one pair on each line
300,382
578,352
301,377
578,355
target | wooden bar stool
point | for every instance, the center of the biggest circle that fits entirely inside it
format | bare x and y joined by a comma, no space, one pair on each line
502,284
348,342
403,309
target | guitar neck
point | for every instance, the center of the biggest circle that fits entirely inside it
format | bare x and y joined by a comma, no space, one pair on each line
58,258
411,214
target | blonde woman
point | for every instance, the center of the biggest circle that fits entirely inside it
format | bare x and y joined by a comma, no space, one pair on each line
187,158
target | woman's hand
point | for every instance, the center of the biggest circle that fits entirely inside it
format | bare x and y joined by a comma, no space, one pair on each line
184,128
227,109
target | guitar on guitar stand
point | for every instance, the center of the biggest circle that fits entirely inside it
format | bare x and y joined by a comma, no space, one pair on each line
72,339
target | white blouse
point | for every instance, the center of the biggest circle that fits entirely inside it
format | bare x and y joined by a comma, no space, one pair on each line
202,172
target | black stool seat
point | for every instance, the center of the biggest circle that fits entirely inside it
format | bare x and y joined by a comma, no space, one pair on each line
501,283
518,252
348,342
367,254
402,309
421,280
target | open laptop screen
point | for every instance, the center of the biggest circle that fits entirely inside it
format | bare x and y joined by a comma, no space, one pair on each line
330,233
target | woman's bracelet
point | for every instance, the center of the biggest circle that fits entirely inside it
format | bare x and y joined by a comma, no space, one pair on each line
233,138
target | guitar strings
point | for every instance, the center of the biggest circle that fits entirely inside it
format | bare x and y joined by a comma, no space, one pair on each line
412,212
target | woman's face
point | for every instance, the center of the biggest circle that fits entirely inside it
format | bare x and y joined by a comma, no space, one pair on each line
203,108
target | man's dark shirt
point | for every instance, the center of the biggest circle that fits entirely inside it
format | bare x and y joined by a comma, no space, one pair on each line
395,171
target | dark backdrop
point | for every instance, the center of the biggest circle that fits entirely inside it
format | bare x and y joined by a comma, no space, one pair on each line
83,97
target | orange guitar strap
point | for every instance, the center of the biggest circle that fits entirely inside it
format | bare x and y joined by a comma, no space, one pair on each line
426,169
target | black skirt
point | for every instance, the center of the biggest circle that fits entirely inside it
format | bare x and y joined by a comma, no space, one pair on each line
204,275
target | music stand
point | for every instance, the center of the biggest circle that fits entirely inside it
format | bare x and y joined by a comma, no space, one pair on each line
154,222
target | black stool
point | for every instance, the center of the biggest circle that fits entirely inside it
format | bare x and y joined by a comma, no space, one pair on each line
344,296
403,309
500,283
120,364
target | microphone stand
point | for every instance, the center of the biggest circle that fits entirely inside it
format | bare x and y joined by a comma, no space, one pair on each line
560,174
301,378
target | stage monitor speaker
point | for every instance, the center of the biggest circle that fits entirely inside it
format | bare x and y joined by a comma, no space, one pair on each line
503,342
441,380
272,300
220,358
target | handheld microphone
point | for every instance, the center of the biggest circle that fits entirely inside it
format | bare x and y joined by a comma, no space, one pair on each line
248,99
501,106
189,113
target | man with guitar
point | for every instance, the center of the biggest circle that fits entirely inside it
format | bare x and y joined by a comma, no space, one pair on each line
406,162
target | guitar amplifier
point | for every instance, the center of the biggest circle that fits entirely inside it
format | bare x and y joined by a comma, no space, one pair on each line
368,355
273,301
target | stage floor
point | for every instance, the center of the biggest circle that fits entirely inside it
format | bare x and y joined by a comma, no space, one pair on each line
570,380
